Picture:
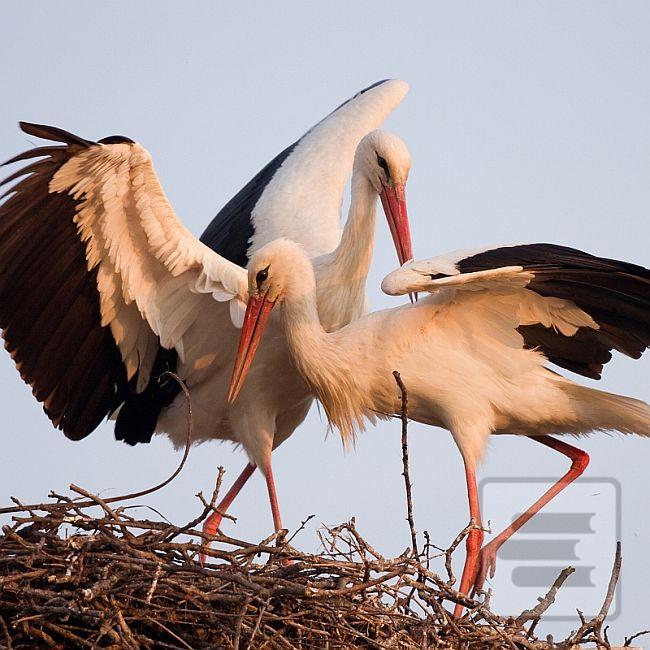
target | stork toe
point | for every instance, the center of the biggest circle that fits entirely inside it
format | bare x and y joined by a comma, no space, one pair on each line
210,527
487,564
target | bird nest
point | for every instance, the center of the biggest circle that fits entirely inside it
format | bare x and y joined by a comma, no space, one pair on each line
83,573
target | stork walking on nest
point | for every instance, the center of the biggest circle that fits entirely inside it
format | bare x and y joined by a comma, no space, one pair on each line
473,354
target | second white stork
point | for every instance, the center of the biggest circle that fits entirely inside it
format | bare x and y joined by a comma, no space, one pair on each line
102,288
473,354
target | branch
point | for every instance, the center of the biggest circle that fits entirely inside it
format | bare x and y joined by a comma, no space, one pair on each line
536,612
133,495
405,461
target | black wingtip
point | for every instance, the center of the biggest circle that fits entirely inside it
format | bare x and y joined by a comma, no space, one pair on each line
53,133
371,86
116,139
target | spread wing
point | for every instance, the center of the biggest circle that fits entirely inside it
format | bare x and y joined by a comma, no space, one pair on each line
298,194
574,307
95,271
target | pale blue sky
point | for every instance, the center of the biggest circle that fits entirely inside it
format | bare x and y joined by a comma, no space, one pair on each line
526,122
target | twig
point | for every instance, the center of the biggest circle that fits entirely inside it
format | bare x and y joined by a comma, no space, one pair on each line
536,612
133,495
449,552
154,584
257,624
629,639
240,622
405,461
300,528
5,631
611,587
595,625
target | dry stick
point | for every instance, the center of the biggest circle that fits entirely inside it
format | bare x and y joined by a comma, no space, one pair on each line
207,508
257,623
154,584
166,629
240,622
595,625
629,639
449,552
611,588
5,631
536,612
405,461
142,493
300,528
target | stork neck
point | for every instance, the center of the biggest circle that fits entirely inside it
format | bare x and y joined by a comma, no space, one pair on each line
342,278
354,252
305,335
321,361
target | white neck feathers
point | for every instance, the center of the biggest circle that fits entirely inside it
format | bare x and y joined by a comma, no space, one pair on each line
342,274
323,365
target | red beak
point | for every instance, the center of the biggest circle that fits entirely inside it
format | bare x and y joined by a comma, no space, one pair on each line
258,311
394,201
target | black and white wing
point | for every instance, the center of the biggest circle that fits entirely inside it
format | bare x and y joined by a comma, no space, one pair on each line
298,194
96,271
576,308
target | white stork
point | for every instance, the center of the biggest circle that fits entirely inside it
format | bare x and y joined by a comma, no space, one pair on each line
473,354
102,288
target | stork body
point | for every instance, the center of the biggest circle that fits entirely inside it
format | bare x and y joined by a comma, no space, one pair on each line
132,292
473,354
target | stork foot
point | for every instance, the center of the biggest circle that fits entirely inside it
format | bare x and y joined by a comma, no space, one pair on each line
210,527
487,565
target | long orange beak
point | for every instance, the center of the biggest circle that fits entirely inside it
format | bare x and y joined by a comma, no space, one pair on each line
393,200
257,314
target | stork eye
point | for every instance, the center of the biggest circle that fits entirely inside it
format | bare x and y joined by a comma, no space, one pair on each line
261,276
383,164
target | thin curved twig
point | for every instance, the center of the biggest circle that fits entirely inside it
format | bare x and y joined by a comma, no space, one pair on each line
133,495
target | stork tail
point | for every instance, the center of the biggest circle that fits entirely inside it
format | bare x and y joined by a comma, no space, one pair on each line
599,410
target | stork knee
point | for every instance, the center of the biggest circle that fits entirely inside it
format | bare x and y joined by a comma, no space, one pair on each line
579,461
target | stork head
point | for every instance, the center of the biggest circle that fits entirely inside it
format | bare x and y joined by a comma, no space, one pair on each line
277,270
385,161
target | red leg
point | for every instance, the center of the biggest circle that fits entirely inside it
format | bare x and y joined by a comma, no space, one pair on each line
579,462
273,498
275,508
212,523
474,538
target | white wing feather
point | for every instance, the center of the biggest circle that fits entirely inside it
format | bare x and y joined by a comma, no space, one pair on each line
303,200
506,283
153,275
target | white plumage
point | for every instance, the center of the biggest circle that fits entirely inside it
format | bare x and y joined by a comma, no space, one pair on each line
462,352
303,200
156,285
154,278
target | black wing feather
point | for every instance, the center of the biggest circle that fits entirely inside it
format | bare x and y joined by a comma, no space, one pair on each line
229,233
615,294
49,312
